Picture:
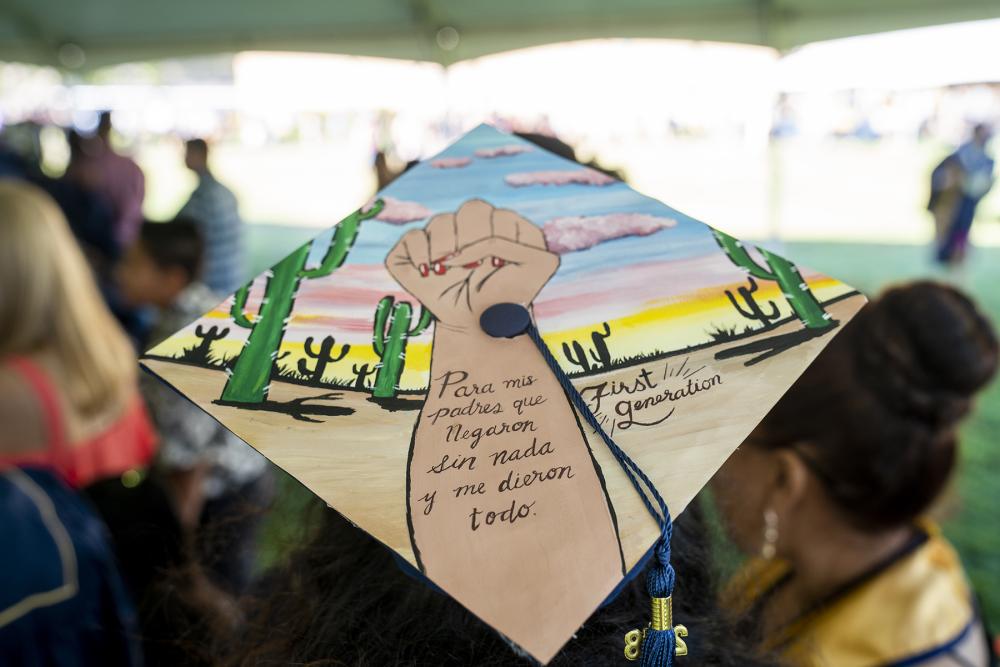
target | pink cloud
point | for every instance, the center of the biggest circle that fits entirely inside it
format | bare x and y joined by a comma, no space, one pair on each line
502,151
584,176
451,162
399,212
579,232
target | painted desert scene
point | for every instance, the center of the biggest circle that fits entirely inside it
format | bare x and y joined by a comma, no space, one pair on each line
679,336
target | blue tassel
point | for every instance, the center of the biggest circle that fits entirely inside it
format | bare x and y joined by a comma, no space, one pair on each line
660,576
661,641
657,649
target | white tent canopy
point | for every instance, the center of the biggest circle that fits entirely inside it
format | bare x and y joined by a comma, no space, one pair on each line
89,33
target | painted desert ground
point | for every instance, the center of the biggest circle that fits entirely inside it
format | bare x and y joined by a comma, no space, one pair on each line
685,414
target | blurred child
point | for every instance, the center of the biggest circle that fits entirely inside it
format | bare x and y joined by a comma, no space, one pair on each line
217,481
832,487
68,391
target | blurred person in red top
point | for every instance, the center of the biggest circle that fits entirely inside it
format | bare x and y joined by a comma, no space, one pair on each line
69,397
115,177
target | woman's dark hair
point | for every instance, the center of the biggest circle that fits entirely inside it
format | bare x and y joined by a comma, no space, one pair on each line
875,415
342,600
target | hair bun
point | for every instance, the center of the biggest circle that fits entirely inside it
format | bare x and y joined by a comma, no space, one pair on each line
926,349
878,409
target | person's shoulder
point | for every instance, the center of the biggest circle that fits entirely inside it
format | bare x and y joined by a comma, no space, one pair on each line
61,553
136,169
28,497
211,182
755,578
224,191
52,522
920,603
20,413
126,163
933,571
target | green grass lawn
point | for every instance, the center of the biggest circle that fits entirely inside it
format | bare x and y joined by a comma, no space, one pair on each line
969,511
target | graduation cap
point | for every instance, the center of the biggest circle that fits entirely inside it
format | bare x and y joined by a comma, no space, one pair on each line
509,369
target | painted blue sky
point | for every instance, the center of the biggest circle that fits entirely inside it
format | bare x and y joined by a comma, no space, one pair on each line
444,190
662,291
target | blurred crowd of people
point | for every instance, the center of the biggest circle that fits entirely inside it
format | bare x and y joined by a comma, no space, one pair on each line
134,517
88,284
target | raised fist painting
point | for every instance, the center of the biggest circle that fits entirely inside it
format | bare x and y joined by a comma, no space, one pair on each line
464,262
506,505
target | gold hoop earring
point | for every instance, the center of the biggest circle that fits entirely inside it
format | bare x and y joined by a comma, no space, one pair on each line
769,547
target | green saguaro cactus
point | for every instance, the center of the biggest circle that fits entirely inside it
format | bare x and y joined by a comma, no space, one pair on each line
391,332
251,375
783,272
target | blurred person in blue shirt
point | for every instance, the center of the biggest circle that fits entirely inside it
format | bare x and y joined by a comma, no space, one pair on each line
213,207
958,184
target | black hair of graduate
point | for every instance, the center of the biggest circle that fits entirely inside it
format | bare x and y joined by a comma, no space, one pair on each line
559,147
875,415
342,600
174,244
546,142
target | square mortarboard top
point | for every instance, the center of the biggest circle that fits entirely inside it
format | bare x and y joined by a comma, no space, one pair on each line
357,364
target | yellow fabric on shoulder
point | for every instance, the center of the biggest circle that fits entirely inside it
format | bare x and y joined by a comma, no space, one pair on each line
916,605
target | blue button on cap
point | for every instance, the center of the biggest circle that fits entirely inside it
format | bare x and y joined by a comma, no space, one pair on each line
505,320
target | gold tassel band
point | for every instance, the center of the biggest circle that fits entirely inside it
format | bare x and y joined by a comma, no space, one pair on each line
663,614
663,619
